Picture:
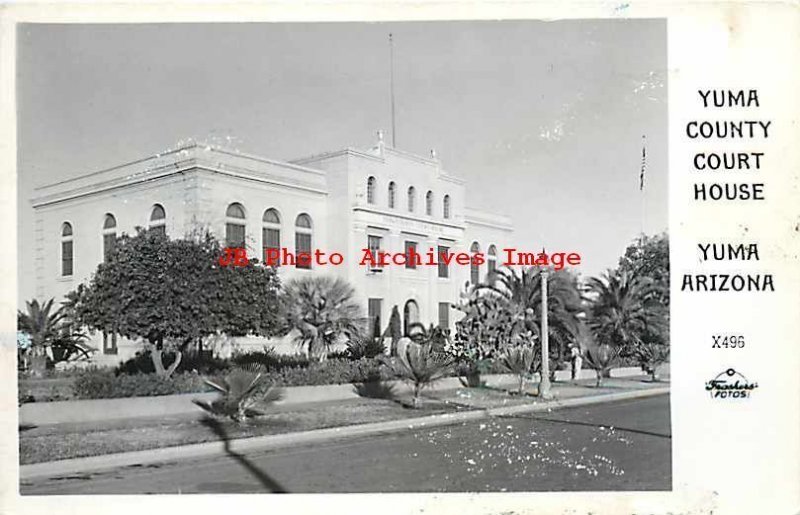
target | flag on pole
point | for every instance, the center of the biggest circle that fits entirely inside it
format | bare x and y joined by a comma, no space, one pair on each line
644,165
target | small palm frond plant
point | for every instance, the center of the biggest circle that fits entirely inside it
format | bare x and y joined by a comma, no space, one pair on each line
242,391
601,358
519,361
420,365
365,347
650,356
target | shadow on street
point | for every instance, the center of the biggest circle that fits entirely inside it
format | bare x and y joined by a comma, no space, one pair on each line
270,484
587,424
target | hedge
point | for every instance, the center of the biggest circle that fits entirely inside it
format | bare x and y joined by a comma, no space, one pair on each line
105,384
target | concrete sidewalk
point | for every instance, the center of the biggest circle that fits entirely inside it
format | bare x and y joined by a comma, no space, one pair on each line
570,396
97,410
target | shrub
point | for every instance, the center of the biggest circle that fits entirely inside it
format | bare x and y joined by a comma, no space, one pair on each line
362,347
332,371
24,398
104,384
339,354
270,360
204,363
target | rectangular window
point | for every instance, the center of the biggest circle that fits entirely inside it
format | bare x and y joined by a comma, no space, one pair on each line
271,239
302,245
109,343
66,258
160,229
444,269
374,315
411,251
234,236
374,246
109,240
444,315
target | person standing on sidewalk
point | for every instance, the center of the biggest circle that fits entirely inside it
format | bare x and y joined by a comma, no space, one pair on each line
577,360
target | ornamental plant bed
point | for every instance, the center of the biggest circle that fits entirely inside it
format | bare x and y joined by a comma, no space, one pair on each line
63,441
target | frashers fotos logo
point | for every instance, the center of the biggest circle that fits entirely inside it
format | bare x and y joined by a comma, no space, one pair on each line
730,384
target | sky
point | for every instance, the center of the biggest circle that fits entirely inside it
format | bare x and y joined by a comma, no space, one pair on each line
544,120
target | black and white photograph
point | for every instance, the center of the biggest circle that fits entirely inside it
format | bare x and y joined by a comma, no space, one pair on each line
351,257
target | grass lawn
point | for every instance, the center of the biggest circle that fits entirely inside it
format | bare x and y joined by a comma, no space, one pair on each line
62,441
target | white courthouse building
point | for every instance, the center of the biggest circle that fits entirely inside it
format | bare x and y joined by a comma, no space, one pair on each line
344,201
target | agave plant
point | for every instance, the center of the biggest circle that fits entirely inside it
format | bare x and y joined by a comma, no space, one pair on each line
420,365
519,361
601,358
242,390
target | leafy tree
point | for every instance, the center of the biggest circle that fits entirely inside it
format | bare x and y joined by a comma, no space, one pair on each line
320,310
170,293
50,330
648,256
625,309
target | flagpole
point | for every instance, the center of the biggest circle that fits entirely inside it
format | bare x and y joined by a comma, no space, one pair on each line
642,194
391,85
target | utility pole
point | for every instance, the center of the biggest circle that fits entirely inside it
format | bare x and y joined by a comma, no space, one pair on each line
544,378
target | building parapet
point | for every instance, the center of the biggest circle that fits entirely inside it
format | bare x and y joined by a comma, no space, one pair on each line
181,160
494,220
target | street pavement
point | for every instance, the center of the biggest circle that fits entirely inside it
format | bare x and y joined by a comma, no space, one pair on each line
623,445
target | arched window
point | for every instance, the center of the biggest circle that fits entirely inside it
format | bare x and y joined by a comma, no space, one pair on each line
109,234
491,263
412,194
474,268
429,203
271,237
410,317
371,190
446,206
235,226
302,241
67,257
158,219
392,193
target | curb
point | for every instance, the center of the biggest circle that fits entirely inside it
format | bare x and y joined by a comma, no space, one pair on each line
271,442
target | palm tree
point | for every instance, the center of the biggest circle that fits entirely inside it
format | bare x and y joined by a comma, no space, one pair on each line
321,310
51,330
625,308
522,293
